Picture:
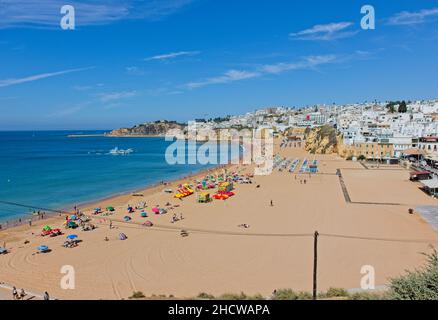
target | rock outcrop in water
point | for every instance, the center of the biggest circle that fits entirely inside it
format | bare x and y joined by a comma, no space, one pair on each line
322,140
157,128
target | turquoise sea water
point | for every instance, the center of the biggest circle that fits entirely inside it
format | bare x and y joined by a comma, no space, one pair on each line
50,170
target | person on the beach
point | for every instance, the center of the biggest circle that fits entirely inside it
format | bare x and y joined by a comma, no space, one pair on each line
22,294
30,222
14,293
305,181
272,203
111,224
46,296
180,216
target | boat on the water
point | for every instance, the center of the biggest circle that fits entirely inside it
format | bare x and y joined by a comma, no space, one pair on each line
116,151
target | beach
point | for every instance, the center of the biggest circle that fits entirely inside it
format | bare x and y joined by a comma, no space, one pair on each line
275,250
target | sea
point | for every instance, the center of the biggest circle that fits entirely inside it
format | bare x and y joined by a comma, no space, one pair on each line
51,169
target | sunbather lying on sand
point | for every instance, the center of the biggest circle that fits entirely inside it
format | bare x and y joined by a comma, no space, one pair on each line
174,218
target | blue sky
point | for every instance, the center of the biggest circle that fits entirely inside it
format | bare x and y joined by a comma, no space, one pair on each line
131,61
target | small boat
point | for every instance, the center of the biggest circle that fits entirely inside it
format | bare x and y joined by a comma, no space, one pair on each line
117,151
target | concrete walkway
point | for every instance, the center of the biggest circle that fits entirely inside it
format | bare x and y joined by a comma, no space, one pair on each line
430,214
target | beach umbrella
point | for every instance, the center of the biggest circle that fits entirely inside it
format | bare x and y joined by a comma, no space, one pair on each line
72,224
72,236
144,214
43,248
126,218
110,208
73,217
155,210
148,224
3,250
47,228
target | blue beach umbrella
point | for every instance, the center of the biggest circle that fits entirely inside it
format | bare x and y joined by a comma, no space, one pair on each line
43,248
72,236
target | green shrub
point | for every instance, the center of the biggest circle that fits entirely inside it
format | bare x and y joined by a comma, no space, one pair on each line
285,294
421,284
336,292
233,296
367,296
137,295
204,295
257,296
304,295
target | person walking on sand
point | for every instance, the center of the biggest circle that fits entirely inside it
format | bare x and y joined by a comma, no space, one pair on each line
22,294
46,295
272,203
14,293
111,224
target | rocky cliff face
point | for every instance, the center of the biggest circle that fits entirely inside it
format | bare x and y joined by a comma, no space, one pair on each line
322,140
159,128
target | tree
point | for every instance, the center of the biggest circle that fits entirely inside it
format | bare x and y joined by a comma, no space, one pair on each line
421,284
390,106
402,108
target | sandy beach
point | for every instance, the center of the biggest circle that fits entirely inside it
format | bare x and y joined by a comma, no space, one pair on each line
218,256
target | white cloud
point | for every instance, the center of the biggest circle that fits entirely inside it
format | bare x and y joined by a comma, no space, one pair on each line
307,63
69,110
325,32
237,75
172,55
113,96
14,81
410,18
229,76
134,71
46,13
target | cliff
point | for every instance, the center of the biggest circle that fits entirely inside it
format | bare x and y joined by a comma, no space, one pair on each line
322,140
158,128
